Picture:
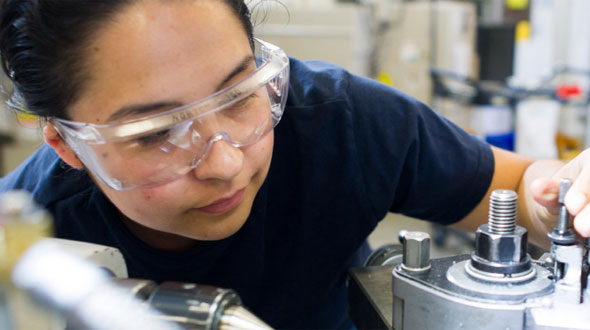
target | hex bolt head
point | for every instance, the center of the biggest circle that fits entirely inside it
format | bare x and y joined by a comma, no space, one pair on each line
501,248
416,257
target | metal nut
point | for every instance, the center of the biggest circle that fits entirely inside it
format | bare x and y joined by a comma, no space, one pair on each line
501,248
416,255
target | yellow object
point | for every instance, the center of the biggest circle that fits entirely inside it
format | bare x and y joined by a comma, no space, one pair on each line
26,116
517,4
568,147
523,31
21,226
18,237
27,119
385,78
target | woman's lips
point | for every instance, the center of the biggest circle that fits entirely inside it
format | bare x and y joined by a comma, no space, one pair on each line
224,205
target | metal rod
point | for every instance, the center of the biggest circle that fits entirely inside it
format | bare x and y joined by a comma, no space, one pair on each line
563,221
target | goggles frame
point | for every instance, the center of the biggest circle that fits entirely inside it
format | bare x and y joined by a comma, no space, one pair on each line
274,61
274,64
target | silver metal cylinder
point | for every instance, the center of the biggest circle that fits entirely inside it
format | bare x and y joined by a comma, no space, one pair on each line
203,307
416,256
502,212
562,234
238,317
563,222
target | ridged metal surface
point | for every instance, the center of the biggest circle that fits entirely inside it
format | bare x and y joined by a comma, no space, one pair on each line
502,212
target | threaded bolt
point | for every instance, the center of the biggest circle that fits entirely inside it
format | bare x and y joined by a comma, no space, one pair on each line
502,212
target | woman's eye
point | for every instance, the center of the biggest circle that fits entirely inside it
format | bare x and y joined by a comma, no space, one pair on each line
154,138
244,102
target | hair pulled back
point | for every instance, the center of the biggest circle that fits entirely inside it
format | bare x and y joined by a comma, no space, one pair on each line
42,45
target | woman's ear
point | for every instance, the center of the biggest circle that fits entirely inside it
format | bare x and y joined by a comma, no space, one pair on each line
53,139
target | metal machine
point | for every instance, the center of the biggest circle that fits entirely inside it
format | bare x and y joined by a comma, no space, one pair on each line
85,286
497,286
90,298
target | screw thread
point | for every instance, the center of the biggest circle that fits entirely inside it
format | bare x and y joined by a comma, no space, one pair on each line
502,212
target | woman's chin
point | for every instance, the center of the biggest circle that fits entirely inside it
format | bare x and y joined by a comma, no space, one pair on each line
217,229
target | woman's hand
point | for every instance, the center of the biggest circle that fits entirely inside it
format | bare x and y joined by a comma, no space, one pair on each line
545,192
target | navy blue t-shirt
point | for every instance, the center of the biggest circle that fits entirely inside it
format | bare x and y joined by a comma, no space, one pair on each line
347,150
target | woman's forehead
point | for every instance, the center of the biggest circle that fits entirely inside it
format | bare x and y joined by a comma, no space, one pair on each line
158,27
161,51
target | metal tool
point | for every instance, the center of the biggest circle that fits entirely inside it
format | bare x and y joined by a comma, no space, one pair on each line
562,234
195,306
81,292
96,298
88,284
498,286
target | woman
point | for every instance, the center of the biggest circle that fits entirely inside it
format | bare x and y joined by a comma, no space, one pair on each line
160,131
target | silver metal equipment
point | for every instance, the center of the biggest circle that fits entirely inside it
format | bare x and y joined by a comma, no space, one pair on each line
497,286
85,286
195,306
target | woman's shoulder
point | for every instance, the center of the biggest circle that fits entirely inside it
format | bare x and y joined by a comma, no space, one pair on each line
314,82
46,177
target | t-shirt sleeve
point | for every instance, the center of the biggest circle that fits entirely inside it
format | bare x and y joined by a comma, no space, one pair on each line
414,161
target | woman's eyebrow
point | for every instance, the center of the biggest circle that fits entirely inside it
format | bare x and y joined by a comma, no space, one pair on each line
136,109
241,67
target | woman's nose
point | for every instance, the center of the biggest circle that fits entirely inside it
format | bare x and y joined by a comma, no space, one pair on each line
222,162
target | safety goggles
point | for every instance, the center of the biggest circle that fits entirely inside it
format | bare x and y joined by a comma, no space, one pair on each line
161,147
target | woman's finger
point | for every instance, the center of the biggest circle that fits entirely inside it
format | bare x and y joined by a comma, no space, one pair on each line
582,222
576,198
545,191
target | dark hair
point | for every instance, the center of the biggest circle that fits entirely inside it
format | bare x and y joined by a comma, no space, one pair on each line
42,43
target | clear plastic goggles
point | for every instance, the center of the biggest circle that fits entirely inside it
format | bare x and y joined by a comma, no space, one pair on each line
159,148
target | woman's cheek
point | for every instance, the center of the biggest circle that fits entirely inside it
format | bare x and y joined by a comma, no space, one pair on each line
162,195
145,203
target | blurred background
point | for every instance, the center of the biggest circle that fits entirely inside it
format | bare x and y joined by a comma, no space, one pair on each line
515,73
